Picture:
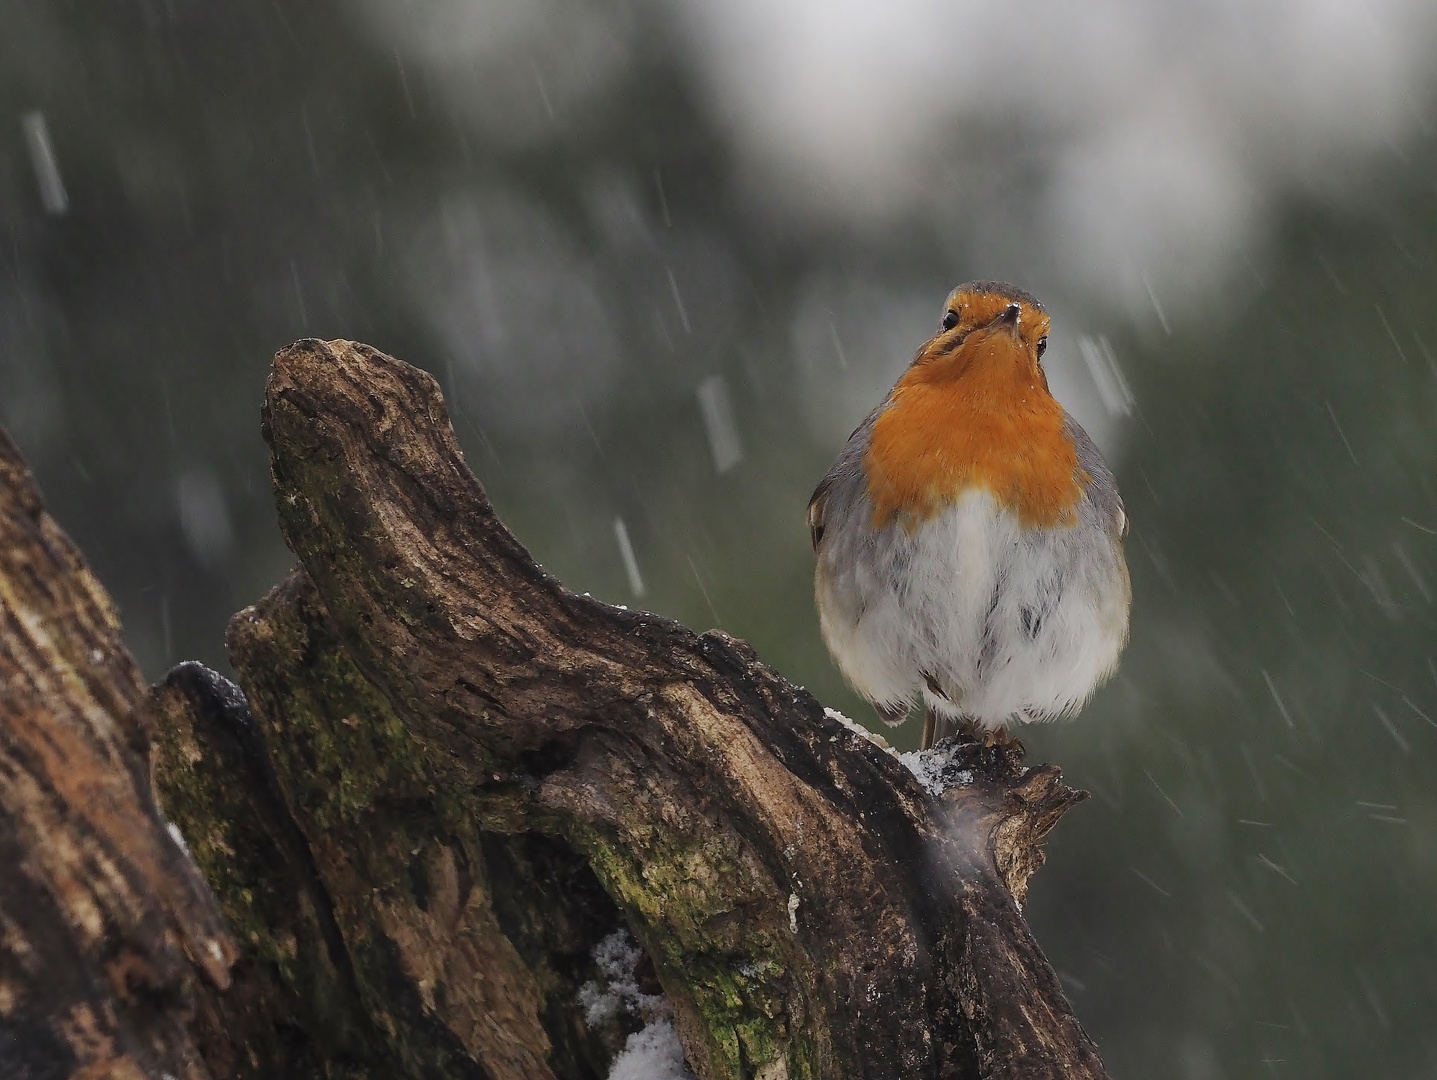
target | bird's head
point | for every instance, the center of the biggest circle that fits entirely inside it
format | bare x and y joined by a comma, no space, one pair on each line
989,330
974,410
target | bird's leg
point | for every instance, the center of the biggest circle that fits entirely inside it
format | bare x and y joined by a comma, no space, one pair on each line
937,727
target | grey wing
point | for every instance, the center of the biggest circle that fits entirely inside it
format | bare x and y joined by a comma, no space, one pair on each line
845,471
1101,485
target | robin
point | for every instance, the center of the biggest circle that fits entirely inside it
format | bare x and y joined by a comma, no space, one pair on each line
970,535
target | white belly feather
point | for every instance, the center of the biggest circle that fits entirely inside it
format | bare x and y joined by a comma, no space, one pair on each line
970,611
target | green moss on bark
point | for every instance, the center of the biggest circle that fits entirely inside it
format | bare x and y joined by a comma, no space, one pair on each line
734,974
292,1010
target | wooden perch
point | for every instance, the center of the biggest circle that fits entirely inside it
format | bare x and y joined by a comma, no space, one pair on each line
448,779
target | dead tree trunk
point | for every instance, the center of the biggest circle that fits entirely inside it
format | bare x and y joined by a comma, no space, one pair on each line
448,779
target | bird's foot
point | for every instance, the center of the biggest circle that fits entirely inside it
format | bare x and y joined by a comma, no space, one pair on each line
993,750
969,735
1002,739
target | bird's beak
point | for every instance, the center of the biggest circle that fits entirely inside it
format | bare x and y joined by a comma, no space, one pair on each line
1008,319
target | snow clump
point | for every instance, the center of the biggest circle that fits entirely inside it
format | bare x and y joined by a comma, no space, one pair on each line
934,768
654,1051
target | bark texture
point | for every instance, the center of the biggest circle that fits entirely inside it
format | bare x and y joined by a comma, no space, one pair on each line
105,926
447,780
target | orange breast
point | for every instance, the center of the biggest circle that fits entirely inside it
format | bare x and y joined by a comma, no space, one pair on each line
987,423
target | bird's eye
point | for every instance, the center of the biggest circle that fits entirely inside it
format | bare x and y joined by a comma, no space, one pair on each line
950,320
1042,345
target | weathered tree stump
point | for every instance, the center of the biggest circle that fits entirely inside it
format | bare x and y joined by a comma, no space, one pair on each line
448,779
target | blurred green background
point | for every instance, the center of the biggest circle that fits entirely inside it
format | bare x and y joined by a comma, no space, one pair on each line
663,256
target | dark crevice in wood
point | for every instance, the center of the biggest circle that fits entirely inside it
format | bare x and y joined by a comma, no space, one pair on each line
221,711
